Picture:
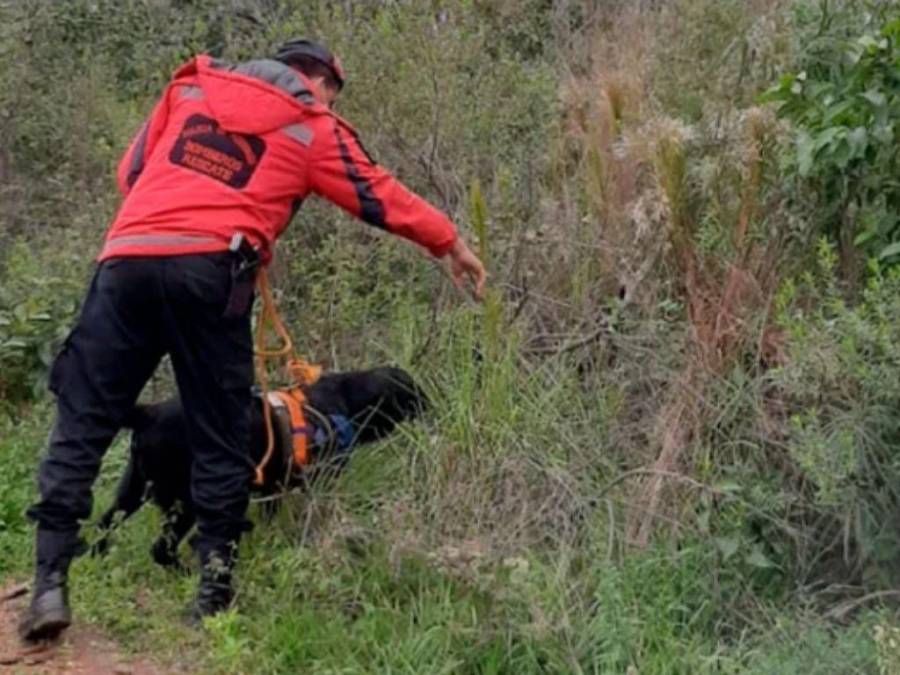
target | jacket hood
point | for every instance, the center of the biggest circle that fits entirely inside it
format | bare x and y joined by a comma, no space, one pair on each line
253,97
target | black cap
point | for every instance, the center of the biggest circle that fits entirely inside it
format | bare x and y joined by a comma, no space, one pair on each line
298,49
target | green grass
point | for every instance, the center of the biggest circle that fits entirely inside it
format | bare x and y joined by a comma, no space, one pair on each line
454,548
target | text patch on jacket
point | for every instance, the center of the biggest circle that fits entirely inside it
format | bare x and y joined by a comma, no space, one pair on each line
203,146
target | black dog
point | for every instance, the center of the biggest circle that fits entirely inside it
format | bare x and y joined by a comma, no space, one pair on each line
342,411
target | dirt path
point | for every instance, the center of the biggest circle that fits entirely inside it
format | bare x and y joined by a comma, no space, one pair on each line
82,650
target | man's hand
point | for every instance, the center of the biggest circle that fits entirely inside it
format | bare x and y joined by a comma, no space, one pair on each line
464,262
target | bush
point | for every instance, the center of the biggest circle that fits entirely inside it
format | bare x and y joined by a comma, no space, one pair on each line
845,107
36,310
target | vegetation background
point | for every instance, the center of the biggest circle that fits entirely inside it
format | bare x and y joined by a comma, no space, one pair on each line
668,440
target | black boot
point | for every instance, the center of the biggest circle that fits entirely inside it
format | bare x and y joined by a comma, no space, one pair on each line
49,613
215,593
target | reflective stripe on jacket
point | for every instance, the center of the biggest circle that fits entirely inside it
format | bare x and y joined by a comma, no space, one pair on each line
233,148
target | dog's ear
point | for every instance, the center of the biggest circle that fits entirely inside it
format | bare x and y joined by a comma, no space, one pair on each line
332,394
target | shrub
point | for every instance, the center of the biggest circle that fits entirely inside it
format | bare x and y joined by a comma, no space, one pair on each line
845,108
36,310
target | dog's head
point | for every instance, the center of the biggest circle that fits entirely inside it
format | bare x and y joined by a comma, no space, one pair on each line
375,401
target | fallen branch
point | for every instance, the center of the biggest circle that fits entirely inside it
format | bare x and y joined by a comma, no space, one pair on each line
840,612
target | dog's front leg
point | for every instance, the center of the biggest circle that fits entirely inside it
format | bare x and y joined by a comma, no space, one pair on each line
130,496
178,522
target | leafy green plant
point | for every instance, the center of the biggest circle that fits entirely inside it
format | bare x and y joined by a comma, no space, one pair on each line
36,310
846,115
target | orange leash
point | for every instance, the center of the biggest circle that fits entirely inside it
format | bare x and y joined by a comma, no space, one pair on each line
299,370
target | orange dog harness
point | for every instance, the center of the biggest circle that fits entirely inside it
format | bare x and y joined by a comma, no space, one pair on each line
292,400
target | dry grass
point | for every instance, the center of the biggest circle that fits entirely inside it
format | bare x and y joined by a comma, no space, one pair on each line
640,168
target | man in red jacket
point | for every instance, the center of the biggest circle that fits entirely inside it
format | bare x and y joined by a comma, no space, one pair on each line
209,183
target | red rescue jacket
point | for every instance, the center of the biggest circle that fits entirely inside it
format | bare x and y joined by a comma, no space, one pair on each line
237,148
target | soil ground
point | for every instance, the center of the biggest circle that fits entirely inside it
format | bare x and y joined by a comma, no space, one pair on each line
81,650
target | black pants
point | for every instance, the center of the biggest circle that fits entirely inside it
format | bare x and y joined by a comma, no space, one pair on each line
137,310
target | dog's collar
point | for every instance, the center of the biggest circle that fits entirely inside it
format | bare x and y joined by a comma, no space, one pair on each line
334,432
344,431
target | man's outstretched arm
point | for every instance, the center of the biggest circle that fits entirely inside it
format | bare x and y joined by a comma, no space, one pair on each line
342,172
